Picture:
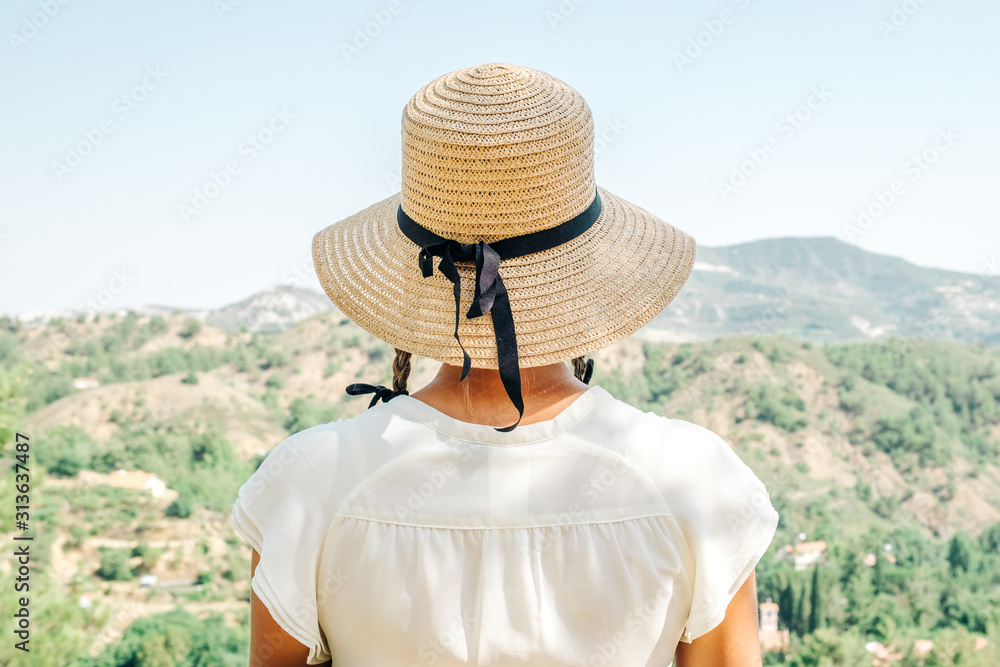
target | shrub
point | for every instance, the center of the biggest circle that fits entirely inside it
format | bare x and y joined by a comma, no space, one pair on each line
181,508
304,413
68,465
176,638
156,325
190,329
767,403
46,387
148,554
114,565
67,450
911,433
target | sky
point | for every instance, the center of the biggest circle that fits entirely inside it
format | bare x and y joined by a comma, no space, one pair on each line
184,153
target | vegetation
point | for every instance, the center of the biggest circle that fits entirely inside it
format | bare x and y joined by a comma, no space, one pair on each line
177,638
114,565
306,412
115,355
926,415
191,328
949,591
955,389
782,408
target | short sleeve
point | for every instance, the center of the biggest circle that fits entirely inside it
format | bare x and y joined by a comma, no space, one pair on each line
274,515
729,523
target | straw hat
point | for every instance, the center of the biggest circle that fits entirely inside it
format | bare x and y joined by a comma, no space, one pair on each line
491,152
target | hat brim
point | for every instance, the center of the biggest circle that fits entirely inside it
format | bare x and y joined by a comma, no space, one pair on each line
568,301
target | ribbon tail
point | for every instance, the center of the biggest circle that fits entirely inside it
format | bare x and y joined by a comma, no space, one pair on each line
466,359
487,280
450,271
507,359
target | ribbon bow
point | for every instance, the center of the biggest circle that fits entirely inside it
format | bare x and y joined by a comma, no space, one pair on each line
490,289
491,293
490,297
383,394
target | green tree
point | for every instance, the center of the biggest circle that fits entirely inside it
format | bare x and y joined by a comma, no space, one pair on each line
989,539
148,554
801,615
960,553
913,433
786,605
781,408
177,638
304,413
114,565
829,647
191,328
12,403
181,508
67,450
815,602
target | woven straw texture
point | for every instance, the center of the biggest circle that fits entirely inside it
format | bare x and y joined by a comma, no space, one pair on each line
490,152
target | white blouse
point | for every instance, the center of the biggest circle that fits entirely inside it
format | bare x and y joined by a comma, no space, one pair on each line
601,537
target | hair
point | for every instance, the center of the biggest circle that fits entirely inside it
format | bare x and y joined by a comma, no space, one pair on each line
401,370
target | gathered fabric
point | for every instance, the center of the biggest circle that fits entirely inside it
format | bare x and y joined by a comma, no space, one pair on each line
604,536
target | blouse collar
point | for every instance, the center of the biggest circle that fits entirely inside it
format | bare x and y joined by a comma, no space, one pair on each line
482,433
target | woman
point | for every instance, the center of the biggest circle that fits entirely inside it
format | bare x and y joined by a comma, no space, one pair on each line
507,513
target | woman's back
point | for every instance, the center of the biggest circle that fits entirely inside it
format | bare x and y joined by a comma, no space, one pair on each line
579,530
602,536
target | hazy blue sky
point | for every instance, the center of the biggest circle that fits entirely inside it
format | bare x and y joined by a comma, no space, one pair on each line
161,94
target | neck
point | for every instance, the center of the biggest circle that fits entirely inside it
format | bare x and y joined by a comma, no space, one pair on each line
481,398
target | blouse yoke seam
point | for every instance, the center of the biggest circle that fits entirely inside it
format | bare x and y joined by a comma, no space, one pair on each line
540,525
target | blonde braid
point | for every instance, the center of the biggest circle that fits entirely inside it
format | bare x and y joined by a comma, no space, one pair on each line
400,370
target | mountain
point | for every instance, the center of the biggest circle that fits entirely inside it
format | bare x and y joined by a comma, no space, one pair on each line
817,288
270,311
825,290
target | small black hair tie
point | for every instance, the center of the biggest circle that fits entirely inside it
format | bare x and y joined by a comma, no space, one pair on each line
589,372
383,394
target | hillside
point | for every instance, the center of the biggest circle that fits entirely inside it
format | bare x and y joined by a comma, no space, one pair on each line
819,289
825,290
859,445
